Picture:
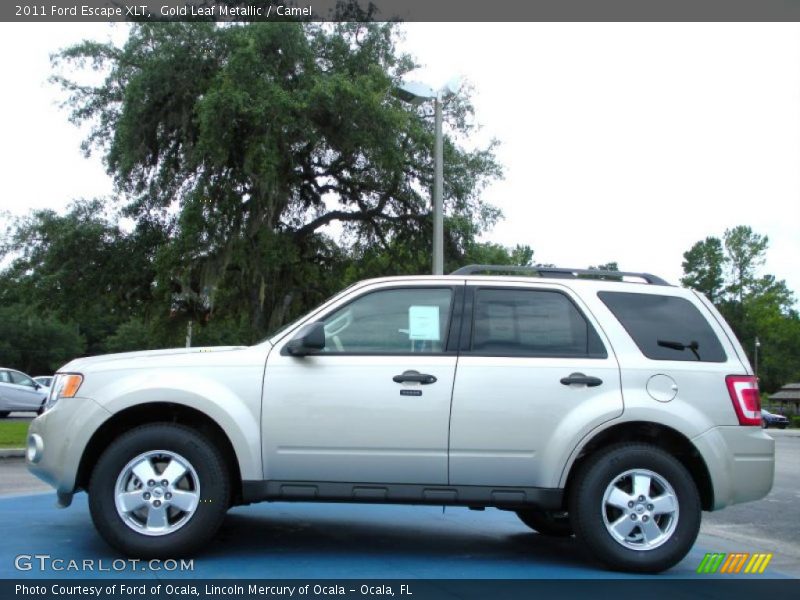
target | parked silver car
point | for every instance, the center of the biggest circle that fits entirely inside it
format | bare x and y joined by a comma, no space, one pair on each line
45,380
19,392
589,404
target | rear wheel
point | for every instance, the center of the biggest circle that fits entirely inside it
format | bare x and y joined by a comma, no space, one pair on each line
547,522
160,490
635,508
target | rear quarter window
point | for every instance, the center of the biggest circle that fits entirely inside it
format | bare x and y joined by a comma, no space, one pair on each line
665,327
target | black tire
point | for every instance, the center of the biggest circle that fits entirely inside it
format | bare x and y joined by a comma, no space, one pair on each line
4,414
589,512
547,522
197,527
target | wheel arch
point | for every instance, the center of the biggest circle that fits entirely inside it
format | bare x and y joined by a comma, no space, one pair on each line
159,412
655,434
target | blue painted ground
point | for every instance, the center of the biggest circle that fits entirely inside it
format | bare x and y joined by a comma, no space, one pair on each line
304,540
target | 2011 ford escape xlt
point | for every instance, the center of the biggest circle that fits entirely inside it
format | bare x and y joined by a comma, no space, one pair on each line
606,405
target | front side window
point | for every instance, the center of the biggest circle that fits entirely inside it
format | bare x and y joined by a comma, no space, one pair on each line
531,323
393,321
665,327
20,379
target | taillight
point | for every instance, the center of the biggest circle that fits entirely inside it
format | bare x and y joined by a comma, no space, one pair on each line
746,400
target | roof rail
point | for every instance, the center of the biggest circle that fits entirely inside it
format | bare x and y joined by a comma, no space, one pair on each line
559,272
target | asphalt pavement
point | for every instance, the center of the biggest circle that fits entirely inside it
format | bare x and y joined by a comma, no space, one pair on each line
306,540
327,541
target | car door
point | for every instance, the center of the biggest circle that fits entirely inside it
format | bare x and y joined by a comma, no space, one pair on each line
6,402
23,392
534,377
374,405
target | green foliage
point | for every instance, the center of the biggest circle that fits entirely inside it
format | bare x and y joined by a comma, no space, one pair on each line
744,252
36,343
487,253
263,166
761,307
81,268
133,334
704,268
246,146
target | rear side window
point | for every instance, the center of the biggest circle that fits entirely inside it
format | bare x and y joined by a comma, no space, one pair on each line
531,323
665,327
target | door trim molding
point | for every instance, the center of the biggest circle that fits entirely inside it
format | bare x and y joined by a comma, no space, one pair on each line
402,493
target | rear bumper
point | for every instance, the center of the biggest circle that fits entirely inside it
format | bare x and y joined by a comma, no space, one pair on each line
740,461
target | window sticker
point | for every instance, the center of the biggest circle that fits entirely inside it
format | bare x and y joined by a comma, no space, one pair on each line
423,323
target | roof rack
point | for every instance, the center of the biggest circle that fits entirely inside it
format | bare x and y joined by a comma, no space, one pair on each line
559,272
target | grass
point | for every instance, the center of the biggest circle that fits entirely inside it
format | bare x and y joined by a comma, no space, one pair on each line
13,434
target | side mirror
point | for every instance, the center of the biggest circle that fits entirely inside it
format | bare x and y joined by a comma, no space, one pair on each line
37,386
309,339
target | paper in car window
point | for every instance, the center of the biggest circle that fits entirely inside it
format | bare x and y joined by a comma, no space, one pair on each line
423,323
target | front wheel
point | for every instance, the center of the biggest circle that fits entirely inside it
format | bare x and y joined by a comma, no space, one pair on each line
159,491
635,508
4,414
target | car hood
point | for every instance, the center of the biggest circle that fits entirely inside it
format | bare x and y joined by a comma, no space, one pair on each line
83,364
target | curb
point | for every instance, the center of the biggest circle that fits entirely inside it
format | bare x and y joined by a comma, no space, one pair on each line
12,452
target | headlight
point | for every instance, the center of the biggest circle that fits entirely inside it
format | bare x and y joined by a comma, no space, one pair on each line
65,385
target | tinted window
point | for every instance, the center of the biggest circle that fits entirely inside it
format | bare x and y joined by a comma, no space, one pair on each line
398,321
531,323
664,327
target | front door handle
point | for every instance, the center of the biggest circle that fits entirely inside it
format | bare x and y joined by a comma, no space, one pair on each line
414,376
587,380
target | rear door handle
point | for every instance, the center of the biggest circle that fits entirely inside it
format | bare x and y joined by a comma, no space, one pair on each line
414,376
587,380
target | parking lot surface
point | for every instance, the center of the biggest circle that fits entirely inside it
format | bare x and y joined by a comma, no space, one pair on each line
303,540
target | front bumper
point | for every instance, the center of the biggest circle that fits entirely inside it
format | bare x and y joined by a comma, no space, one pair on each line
740,461
57,440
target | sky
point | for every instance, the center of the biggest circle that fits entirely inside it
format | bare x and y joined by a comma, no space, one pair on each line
620,142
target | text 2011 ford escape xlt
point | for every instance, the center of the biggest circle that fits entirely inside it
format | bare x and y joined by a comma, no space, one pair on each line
609,406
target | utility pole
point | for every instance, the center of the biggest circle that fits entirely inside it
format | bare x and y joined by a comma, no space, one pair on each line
417,93
438,182
755,357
